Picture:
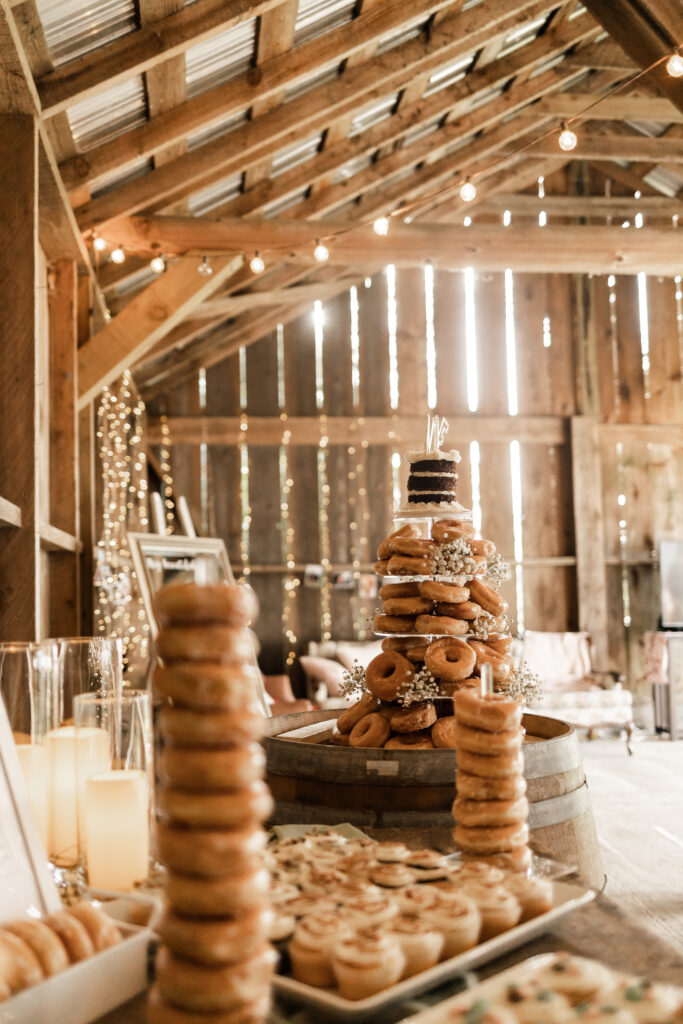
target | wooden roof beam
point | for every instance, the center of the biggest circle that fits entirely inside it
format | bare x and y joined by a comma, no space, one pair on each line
582,206
646,30
634,148
619,108
522,174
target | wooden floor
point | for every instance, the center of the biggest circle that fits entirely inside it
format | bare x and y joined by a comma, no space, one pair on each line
638,806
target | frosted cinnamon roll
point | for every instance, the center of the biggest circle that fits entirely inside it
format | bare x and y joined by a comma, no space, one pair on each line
534,895
575,977
479,871
321,881
498,908
391,853
310,949
308,903
458,919
366,962
417,899
421,942
370,911
392,876
281,891
282,926
531,1004
427,865
357,864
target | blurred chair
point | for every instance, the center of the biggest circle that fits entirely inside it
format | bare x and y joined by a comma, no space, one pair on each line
283,701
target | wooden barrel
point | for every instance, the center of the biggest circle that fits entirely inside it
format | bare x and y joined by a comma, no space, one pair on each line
314,782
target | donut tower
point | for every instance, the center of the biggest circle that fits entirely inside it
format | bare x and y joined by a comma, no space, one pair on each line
215,961
442,619
491,808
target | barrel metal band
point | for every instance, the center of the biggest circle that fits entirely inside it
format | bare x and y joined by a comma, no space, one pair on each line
557,809
573,760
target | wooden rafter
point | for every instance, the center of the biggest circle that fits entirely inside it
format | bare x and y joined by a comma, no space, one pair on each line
634,148
583,206
619,108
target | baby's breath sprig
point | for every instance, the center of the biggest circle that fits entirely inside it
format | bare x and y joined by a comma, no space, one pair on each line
524,685
497,571
483,626
353,681
455,559
420,687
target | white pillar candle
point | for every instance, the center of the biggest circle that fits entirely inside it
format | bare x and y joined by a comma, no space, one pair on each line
73,755
33,761
117,828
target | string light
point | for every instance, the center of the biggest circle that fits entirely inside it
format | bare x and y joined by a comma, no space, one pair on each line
567,138
99,244
381,226
257,264
321,253
468,191
118,255
157,264
674,65
205,268
166,475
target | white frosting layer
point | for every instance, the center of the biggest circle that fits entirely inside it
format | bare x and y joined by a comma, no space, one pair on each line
452,456
433,472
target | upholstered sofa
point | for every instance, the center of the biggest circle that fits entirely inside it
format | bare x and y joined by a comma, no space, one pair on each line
325,664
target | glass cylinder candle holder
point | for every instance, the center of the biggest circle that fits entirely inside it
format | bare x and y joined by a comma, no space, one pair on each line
114,765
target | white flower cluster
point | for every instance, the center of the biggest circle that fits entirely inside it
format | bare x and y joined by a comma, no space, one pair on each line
420,687
455,559
524,685
484,625
497,571
353,681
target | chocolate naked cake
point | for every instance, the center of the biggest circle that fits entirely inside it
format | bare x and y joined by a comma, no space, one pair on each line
433,475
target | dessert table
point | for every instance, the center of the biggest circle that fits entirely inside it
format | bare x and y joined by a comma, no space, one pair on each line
601,930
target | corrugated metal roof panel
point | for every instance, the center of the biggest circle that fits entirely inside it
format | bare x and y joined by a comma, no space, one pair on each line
665,181
301,150
371,115
421,131
400,35
215,195
313,81
352,167
214,131
107,114
75,27
115,179
280,205
448,74
317,16
521,36
220,58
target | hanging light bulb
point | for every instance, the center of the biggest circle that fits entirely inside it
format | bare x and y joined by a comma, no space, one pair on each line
321,252
567,139
99,243
674,65
468,191
118,255
257,264
381,226
205,268
157,264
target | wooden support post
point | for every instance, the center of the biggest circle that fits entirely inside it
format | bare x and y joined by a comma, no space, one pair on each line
64,583
590,536
86,476
19,546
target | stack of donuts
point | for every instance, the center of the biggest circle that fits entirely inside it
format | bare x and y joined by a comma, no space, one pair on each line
491,807
215,960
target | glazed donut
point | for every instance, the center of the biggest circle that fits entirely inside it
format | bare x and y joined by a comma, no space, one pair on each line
20,965
496,839
473,787
381,567
495,713
394,623
448,689
498,767
477,741
512,860
340,739
404,565
442,733
414,718
487,597
371,731
217,897
220,941
386,550
417,653
448,592
211,769
227,809
399,590
365,706
160,1011
501,664
387,673
433,625
103,932
414,547
407,605
502,645
481,547
410,741
398,643
463,610
446,530
205,852
44,942
478,813
72,934
207,686
227,644
450,659
196,987
214,602
183,727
